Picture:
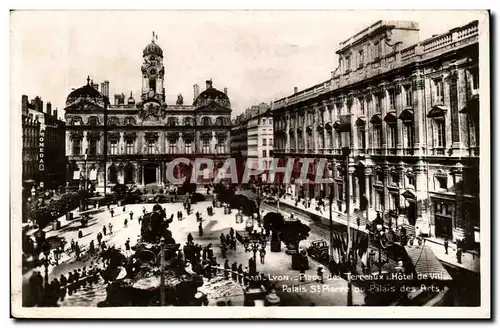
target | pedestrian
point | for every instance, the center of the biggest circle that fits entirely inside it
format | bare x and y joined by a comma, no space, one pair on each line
178,216
80,234
231,232
125,222
99,238
320,274
459,255
190,238
240,273
104,230
234,271
109,207
127,244
245,276
92,247
222,239
124,209
143,210
226,269
446,246
200,229
204,253
110,226
223,250
112,212
262,255
77,251
131,214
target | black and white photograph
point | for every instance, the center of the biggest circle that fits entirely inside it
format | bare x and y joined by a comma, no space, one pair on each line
250,164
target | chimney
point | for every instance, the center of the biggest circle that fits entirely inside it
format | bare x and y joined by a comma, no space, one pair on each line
117,99
196,91
49,108
225,91
38,104
105,89
24,103
55,114
295,89
209,84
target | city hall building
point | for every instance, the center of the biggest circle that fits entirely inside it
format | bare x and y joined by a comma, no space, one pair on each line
408,111
144,135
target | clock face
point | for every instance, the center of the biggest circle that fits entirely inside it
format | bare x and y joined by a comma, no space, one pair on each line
151,94
152,71
152,58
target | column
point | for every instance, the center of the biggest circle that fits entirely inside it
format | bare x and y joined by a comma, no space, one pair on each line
368,173
85,142
399,127
385,168
138,174
358,192
313,127
142,174
350,176
459,224
419,115
423,218
287,133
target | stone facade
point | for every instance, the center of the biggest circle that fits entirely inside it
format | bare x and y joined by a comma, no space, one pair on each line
142,137
44,159
408,112
252,135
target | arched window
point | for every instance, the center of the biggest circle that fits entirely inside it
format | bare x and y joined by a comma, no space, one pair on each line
93,121
130,121
76,120
113,121
172,121
206,121
219,121
128,174
112,176
188,121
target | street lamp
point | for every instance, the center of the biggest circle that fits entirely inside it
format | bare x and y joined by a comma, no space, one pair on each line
47,261
162,273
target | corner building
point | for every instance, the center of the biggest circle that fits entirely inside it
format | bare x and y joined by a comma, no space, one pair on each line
144,136
409,113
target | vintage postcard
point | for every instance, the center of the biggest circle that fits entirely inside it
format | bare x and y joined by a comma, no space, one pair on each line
250,164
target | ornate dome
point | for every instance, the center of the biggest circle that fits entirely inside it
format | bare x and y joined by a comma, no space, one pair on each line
86,92
212,95
131,99
152,49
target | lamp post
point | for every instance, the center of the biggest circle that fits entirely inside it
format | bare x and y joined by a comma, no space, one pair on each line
162,273
46,262
380,233
348,172
86,169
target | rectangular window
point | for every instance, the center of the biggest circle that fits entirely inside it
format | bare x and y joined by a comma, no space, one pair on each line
77,147
393,135
440,134
339,139
379,200
152,84
392,99
151,147
264,142
438,91
173,146
129,147
188,147
362,106
113,147
348,63
376,50
408,96
377,136
264,153
361,58
93,147
361,138
410,135
221,149
379,102
393,201
340,194
270,142
395,178
206,146
270,153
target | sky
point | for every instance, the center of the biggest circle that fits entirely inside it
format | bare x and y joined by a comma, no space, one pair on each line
259,56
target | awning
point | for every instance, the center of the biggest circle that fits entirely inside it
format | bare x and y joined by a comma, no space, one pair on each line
93,175
390,117
437,111
376,119
406,115
426,263
76,175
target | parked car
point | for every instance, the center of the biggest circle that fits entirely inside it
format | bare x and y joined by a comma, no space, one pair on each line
318,250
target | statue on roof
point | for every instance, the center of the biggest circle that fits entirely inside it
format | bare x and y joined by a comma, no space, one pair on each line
180,99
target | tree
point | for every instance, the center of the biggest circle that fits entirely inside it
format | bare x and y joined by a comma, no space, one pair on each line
294,232
274,222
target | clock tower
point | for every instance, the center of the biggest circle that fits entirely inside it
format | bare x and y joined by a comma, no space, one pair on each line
153,72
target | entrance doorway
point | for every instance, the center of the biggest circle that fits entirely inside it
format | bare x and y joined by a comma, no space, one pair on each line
443,219
150,173
412,213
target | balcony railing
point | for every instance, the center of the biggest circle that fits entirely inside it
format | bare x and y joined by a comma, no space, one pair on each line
439,151
408,151
378,66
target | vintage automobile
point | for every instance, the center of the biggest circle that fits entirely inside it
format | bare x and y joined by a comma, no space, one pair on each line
318,250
